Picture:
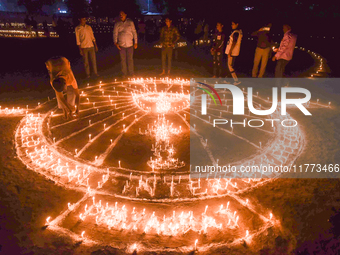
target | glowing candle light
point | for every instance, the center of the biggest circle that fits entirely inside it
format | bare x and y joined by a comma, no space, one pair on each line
196,244
90,137
270,216
48,220
119,163
82,234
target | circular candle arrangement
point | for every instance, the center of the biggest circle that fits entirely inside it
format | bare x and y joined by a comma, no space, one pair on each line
129,154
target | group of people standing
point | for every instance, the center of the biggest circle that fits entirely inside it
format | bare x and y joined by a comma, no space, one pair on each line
59,68
126,40
263,50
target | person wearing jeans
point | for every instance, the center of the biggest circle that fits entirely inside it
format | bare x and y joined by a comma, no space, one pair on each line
262,51
216,50
87,46
125,39
285,52
169,37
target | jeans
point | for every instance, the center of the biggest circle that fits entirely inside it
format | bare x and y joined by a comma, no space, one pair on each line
166,52
89,52
217,63
280,68
126,60
261,55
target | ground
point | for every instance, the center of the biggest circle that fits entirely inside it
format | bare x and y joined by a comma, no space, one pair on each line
308,209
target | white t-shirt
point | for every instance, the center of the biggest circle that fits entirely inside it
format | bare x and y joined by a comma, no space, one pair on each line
84,36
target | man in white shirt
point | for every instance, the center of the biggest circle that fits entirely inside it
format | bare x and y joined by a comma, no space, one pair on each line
87,46
125,39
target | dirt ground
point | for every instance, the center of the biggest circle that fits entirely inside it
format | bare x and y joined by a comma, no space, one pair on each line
308,209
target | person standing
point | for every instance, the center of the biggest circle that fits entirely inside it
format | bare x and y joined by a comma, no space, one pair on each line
45,27
62,80
285,52
125,39
34,25
216,50
206,33
141,30
264,44
87,46
28,25
233,49
169,37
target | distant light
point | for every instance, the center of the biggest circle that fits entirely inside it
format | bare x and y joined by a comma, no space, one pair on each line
247,8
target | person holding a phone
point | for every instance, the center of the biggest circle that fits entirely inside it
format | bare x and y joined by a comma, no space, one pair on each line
264,44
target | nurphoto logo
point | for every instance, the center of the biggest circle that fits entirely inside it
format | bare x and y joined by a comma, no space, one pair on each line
239,104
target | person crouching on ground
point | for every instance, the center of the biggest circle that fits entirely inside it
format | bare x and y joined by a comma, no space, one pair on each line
62,80
216,50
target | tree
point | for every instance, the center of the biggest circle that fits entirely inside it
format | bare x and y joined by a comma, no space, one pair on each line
34,6
78,7
110,8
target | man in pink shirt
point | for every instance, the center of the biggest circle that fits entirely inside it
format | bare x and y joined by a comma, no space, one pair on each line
285,52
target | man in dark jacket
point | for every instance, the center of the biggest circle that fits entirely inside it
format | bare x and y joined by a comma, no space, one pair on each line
216,50
264,45
169,37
